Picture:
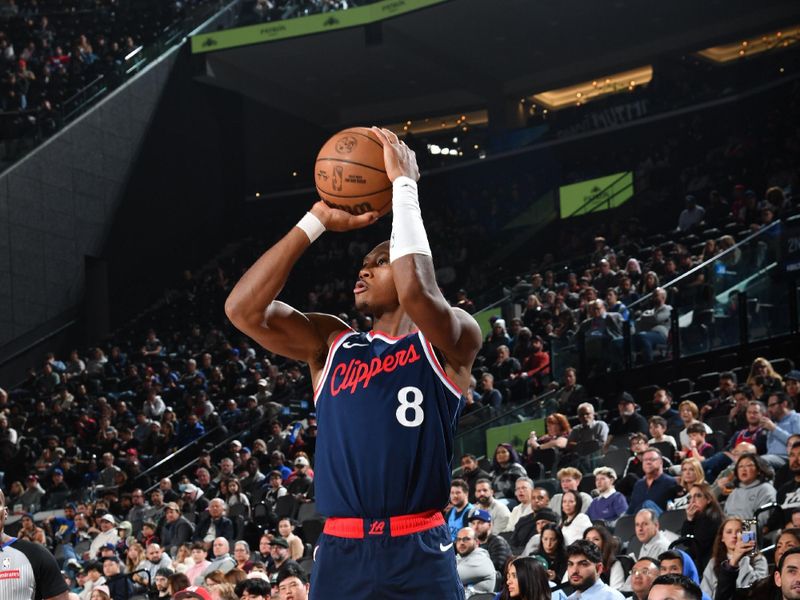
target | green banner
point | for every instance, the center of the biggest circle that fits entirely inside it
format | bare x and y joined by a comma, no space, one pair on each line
514,434
594,195
482,317
281,30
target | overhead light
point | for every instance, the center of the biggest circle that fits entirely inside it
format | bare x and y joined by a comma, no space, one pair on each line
434,149
751,46
455,140
592,89
258,194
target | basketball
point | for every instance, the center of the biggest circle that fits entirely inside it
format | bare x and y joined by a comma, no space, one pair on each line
350,174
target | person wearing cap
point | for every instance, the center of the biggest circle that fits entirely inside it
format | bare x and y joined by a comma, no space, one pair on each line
107,525
629,421
481,523
791,385
119,586
176,529
31,498
300,480
281,555
30,531
609,504
194,501
193,592
475,568
214,524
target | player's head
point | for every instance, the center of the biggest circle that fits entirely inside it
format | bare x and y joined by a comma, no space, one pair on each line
375,291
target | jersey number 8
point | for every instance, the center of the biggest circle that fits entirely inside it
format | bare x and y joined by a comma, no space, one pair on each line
410,399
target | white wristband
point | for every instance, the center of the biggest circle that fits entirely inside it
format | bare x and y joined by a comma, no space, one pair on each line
311,226
408,230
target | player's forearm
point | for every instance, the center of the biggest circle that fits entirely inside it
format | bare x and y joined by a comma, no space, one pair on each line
261,284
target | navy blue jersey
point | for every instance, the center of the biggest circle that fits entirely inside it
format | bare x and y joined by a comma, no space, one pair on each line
387,414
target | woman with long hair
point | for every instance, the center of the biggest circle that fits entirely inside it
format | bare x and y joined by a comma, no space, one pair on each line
752,488
236,496
613,573
691,473
703,518
729,547
526,579
135,557
761,366
558,430
573,522
552,548
506,469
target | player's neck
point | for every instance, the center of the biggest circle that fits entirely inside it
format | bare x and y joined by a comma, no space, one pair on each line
396,323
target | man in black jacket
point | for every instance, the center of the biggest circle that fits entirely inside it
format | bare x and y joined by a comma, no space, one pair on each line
222,525
177,529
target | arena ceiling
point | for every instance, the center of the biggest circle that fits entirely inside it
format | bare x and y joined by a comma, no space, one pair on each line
476,54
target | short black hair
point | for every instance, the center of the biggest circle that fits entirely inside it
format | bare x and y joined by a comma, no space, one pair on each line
585,548
670,555
255,586
790,551
164,572
292,571
691,591
655,561
460,483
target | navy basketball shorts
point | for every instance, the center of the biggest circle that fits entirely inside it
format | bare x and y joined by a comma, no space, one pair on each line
401,558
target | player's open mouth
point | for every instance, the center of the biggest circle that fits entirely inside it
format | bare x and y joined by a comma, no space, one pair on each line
359,287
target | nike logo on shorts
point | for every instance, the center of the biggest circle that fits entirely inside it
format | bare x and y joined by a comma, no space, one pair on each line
444,548
353,345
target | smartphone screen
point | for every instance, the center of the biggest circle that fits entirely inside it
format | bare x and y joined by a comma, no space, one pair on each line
749,532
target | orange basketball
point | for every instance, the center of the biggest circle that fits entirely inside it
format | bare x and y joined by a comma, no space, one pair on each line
350,174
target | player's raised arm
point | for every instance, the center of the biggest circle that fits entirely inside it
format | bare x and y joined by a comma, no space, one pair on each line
454,332
252,306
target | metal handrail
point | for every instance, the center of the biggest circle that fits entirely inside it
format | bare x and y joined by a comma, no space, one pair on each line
496,418
711,260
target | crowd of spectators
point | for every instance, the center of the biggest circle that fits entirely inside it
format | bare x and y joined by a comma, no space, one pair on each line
51,49
259,11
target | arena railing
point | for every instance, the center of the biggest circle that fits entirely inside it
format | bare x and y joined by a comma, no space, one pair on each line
737,297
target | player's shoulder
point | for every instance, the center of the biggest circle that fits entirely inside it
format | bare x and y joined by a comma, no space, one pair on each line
35,553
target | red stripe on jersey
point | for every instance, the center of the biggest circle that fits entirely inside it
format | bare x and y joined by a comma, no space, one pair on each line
328,361
439,368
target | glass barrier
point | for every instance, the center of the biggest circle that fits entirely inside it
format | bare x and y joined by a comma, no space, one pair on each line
736,297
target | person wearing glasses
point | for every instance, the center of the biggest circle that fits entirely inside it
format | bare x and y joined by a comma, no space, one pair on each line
474,565
655,489
643,574
782,422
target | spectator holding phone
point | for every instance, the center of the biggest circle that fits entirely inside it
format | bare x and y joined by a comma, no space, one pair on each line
733,550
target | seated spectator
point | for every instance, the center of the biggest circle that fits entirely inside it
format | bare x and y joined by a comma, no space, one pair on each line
489,395
214,524
703,518
761,367
643,574
788,495
754,433
286,527
601,333
653,326
573,521
553,550
570,394
199,558
484,500
587,429
658,433
613,573
506,469
724,483
526,579
505,370
723,401
241,554
648,532
629,421
292,582
752,488
558,431
791,385
524,493
471,473
675,586
678,562
730,551
698,448
609,504
222,560
655,489
689,415
782,422
570,480
692,215
584,566
474,565
31,531
615,305
662,403
499,551
634,469
457,516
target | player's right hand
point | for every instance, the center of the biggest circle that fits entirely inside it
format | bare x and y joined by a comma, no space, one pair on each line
335,219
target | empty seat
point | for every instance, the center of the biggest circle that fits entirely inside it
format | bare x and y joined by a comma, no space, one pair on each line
617,460
707,381
672,520
782,365
679,387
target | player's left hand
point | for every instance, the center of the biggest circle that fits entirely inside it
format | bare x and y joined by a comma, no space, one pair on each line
400,160
335,219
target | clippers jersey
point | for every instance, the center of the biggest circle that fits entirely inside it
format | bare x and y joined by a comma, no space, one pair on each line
387,414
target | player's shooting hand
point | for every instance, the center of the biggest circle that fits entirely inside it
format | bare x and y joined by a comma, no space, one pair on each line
400,160
335,219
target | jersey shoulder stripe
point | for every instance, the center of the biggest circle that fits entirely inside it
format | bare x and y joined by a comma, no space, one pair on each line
331,352
430,354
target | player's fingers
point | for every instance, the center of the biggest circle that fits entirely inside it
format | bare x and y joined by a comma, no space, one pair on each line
380,134
391,135
359,221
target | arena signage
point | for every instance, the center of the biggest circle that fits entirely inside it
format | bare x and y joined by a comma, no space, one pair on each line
281,30
595,195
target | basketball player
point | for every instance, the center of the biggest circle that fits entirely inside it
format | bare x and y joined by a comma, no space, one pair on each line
387,401
27,570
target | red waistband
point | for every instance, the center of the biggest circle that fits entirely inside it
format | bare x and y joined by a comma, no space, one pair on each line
347,527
